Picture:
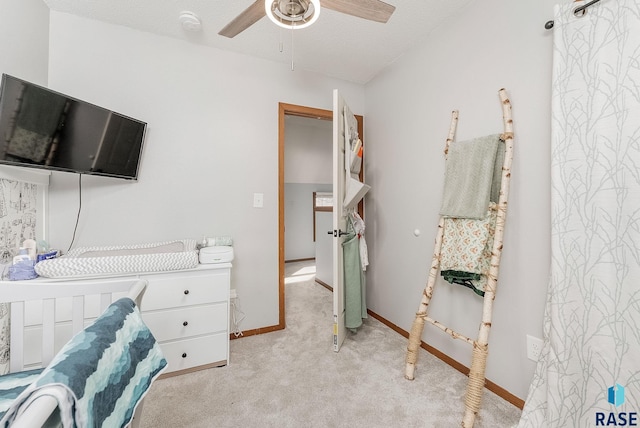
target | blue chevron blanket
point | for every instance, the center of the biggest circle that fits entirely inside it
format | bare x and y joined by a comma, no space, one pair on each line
101,374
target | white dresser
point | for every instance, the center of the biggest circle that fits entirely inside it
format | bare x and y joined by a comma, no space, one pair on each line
187,311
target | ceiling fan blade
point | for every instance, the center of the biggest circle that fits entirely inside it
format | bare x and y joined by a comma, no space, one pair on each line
246,19
373,10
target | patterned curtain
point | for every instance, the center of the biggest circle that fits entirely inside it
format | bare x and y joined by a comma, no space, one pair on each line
18,213
5,338
589,372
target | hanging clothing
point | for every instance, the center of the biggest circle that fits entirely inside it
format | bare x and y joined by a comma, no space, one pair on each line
358,226
355,305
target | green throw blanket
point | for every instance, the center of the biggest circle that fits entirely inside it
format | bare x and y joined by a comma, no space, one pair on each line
473,174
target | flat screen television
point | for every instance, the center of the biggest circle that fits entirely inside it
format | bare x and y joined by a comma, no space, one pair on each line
41,128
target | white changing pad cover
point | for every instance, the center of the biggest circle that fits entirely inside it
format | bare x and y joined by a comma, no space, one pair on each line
125,259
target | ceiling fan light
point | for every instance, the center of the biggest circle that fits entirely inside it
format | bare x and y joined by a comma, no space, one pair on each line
292,14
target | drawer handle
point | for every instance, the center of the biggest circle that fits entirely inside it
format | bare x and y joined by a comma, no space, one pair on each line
186,291
184,355
186,323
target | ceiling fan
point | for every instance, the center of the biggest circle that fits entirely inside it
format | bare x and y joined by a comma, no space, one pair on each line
296,13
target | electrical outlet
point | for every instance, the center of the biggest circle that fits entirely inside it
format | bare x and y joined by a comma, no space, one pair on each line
233,294
534,348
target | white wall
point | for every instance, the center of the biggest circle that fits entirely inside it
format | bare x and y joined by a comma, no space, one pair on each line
462,65
24,47
298,220
308,150
212,142
24,39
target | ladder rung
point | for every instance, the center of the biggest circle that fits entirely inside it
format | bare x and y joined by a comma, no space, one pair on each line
449,331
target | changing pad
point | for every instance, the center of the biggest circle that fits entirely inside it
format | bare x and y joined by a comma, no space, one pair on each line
137,258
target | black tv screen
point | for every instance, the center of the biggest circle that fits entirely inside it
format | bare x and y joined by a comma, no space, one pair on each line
41,128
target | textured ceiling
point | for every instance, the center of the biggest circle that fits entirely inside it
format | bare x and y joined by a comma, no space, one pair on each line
337,45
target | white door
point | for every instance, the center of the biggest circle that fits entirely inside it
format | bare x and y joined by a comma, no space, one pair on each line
342,116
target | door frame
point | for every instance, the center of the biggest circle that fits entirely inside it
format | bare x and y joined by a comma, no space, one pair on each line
285,109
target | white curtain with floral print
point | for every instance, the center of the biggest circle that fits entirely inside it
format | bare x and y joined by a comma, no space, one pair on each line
18,221
592,319
4,338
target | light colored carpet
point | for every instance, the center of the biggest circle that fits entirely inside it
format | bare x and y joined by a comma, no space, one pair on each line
292,378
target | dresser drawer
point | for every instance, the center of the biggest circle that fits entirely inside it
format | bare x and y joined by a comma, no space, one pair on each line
171,291
180,323
188,353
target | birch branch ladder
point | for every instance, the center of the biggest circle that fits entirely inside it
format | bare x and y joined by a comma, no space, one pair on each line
481,344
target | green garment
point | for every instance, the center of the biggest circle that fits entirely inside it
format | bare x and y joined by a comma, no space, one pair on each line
355,304
474,281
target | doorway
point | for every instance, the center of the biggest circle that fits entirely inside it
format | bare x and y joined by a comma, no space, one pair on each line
297,111
305,112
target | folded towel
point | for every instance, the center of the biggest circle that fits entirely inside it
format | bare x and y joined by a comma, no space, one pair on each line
497,171
101,374
473,173
220,240
465,255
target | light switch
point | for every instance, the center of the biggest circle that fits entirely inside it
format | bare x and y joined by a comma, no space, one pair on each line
258,200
